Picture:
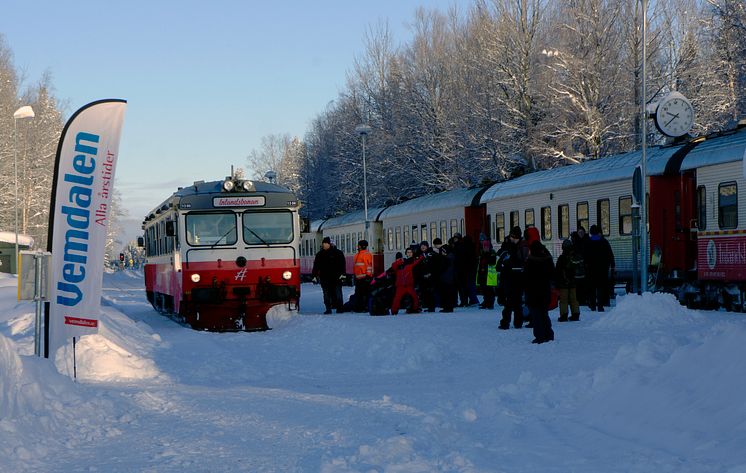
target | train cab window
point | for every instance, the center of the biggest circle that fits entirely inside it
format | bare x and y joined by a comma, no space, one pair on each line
443,230
546,223
603,216
212,229
701,208
728,205
581,211
500,227
515,219
390,239
528,218
433,231
625,215
397,239
264,228
563,221
454,227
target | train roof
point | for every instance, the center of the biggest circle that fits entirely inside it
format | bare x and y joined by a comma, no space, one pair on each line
463,197
715,149
201,188
351,218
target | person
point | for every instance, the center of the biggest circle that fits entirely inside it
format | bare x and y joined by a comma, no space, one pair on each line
511,275
329,270
363,271
564,278
444,264
424,277
530,235
538,270
600,262
579,243
487,275
465,270
403,270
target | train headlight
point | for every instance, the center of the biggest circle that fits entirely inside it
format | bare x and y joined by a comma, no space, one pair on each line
287,275
228,185
195,277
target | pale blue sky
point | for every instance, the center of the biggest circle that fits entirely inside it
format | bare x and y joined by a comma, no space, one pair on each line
204,80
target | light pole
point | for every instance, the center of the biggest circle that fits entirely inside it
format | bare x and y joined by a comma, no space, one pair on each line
644,258
24,112
363,131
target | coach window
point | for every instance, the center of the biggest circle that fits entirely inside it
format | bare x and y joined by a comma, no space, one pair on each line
211,229
397,238
433,231
443,230
405,238
514,219
264,228
546,223
701,208
454,227
563,214
390,238
529,219
415,235
423,233
582,215
625,215
728,205
603,215
500,227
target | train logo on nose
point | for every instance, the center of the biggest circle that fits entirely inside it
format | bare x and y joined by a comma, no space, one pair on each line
241,274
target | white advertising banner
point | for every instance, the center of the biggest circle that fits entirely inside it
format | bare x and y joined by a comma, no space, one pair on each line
87,156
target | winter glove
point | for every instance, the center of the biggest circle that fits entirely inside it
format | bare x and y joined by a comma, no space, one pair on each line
315,280
342,277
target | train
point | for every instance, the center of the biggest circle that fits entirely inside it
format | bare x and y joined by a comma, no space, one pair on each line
696,222
220,255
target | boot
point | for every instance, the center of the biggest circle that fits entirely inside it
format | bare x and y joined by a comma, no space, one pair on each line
574,317
562,318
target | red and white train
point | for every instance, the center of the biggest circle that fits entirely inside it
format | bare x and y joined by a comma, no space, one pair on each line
220,254
696,218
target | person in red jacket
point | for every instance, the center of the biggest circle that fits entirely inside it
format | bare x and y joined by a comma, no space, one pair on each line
402,268
363,271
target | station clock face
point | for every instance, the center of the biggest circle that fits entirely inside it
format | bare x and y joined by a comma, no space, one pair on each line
674,115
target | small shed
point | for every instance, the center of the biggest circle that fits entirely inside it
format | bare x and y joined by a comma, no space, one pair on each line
8,257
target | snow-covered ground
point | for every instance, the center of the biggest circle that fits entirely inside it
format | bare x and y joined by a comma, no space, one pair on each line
647,387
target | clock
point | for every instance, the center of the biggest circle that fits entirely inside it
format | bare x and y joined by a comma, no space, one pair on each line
675,115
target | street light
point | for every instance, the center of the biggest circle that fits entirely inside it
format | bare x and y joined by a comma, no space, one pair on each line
363,131
24,112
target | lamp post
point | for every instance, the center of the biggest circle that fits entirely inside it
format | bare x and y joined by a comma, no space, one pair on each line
24,112
644,258
363,131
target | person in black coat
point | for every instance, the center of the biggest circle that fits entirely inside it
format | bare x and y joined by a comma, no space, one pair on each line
444,270
329,269
538,272
511,263
599,259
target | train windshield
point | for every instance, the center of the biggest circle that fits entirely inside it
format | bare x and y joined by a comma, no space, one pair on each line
265,228
211,229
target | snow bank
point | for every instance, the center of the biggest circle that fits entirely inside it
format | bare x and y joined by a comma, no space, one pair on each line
646,312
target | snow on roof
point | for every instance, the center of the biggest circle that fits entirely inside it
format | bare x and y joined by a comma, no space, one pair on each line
10,237
463,197
727,147
357,216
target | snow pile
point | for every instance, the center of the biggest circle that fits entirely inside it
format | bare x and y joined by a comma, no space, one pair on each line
646,312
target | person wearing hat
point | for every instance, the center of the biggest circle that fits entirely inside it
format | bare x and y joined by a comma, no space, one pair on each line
512,260
600,262
329,269
363,272
487,274
566,282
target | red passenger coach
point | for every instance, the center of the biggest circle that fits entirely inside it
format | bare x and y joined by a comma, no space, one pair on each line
220,255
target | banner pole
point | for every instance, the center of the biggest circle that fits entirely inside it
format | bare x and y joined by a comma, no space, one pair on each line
75,366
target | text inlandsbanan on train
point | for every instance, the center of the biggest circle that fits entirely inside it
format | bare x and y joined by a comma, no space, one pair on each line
696,220
221,254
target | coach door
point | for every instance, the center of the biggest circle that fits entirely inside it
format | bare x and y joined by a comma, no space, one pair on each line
672,216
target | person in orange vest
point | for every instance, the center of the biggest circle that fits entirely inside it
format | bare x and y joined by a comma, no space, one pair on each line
363,272
404,282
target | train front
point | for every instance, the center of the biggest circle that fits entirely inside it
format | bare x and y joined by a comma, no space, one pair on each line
239,249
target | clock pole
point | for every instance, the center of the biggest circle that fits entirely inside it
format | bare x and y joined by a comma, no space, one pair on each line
643,195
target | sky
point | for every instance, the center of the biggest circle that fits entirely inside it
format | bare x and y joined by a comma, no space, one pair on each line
204,81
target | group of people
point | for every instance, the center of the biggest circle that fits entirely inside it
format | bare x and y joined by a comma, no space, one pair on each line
521,272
